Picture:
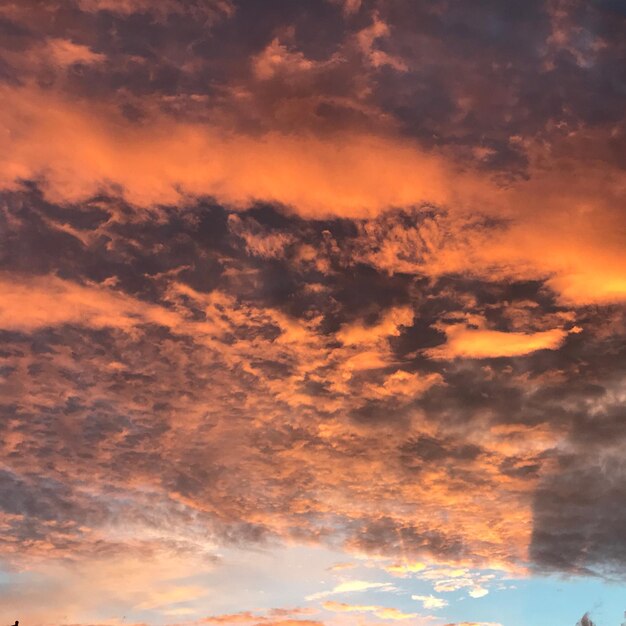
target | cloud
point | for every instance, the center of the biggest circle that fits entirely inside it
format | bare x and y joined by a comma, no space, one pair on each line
381,612
78,149
367,38
403,569
81,150
174,595
348,7
573,536
430,601
447,580
345,358
475,624
208,8
310,274
277,58
351,586
466,342
337,567
65,52
152,575
31,303
274,617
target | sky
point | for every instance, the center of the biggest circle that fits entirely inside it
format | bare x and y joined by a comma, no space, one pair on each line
312,312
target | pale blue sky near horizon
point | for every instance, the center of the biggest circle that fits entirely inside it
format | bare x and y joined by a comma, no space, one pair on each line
263,579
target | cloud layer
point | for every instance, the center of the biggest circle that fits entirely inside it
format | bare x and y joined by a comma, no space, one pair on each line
343,274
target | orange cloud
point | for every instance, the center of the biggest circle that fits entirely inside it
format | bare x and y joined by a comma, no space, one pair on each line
478,343
563,225
348,7
64,52
78,149
277,58
475,624
269,402
403,569
358,333
171,595
366,40
250,619
31,303
382,612
270,364
402,383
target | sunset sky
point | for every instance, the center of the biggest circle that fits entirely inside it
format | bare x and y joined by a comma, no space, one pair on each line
312,312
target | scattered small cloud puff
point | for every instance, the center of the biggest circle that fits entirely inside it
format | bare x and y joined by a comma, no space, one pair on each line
430,601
